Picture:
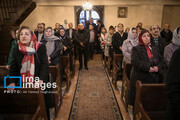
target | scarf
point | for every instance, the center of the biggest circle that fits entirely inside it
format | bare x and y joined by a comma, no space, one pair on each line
28,65
50,43
63,37
175,39
134,41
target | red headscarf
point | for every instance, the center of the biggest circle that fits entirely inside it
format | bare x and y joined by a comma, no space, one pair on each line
148,47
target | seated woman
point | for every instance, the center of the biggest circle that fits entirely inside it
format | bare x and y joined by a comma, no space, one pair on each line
146,64
129,44
30,60
53,45
169,50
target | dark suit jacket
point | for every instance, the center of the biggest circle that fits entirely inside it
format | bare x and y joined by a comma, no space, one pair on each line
73,34
117,41
41,69
82,36
173,87
36,33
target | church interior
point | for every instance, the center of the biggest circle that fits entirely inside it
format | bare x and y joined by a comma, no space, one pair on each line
92,78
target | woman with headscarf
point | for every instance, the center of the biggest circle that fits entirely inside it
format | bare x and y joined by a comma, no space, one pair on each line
146,64
108,41
169,50
129,44
30,60
53,45
102,40
66,41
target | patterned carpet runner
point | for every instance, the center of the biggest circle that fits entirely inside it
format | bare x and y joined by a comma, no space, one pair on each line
94,98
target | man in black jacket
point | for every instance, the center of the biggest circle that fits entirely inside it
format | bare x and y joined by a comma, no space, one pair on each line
167,34
82,38
118,38
156,40
71,33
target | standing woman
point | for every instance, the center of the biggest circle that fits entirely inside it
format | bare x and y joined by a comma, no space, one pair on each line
129,44
146,64
53,45
30,60
102,40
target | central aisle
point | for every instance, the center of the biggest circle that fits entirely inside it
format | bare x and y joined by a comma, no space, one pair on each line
94,98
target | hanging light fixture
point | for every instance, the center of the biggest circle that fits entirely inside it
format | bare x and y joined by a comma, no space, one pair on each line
87,6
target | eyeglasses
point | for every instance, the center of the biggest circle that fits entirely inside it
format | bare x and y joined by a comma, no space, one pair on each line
155,28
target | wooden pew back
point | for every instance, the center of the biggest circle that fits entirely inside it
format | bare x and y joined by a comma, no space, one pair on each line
3,72
117,68
151,101
55,76
22,105
126,84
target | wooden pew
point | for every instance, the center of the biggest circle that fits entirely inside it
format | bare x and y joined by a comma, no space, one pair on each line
3,72
55,77
66,68
117,68
22,105
151,102
110,63
126,84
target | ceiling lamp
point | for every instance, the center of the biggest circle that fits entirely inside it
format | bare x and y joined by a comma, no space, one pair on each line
87,6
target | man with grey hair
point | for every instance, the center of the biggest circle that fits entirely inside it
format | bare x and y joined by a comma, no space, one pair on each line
156,40
82,39
167,34
40,32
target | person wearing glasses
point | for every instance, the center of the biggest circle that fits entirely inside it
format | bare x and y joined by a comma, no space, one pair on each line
40,32
156,40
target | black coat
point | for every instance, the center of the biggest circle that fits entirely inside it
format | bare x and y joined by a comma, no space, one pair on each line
161,44
167,36
58,50
82,36
41,66
140,68
73,35
173,87
67,43
117,41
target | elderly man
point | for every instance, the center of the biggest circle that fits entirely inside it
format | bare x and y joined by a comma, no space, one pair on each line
40,32
167,34
156,40
118,39
82,39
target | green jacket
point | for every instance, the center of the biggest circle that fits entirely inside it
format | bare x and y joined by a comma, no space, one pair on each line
13,44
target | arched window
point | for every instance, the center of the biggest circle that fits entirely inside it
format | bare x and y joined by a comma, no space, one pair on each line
84,16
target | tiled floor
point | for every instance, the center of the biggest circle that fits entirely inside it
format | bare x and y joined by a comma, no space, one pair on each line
68,98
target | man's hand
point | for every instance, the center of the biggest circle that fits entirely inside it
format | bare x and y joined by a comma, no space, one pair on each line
65,48
151,69
82,44
155,68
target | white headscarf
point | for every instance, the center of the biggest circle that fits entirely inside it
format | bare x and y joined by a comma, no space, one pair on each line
175,39
134,41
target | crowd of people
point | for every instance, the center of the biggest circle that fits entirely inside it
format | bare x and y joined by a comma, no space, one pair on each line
149,52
